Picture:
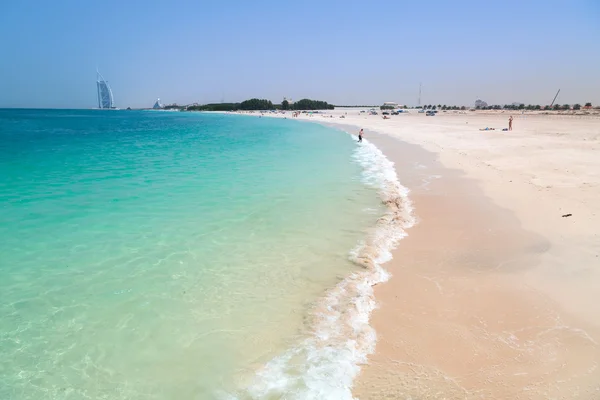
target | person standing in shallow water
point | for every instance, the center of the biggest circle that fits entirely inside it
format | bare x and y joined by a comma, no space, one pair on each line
510,123
360,135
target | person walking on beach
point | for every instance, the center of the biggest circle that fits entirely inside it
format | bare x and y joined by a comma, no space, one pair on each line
360,135
510,123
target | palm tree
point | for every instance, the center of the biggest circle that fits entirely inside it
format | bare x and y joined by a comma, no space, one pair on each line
577,107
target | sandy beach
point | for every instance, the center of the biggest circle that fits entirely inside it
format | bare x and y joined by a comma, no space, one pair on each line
494,293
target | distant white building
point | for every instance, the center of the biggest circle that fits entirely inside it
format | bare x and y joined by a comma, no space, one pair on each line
105,95
290,101
157,105
391,104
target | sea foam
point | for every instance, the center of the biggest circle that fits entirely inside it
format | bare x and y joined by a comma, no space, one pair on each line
325,364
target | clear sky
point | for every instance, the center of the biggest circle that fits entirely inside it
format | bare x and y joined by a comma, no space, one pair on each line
343,52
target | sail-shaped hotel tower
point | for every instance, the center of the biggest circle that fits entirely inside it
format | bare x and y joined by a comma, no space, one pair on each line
105,96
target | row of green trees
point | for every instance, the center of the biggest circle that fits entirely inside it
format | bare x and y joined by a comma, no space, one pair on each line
262,104
256,104
307,104
215,107
252,104
442,107
530,107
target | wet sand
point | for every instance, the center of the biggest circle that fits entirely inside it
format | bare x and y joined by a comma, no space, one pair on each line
457,321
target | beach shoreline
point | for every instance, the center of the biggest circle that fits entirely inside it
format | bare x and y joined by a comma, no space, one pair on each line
457,320
339,337
511,314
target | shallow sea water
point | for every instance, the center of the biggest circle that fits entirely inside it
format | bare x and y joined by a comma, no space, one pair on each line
165,255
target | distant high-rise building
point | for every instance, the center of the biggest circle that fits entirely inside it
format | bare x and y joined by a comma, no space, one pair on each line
105,96
157,105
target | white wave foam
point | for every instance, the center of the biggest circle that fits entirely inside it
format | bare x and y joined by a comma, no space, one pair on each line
324,365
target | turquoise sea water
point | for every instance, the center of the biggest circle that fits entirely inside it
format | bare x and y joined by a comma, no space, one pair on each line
159,255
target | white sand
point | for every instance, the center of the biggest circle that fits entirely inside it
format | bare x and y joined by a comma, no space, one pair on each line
548,166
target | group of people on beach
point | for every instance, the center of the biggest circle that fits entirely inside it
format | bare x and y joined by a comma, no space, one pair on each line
510,120
361,133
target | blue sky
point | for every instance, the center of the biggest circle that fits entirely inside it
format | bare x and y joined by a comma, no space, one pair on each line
344,52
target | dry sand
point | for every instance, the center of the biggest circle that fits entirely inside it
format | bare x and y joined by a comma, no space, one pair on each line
494,295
